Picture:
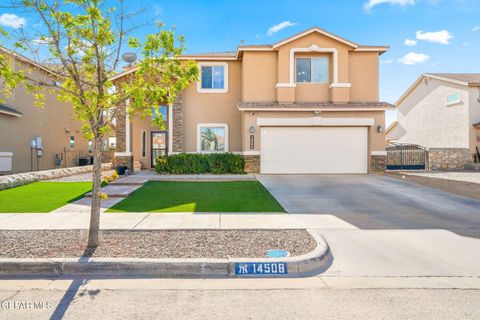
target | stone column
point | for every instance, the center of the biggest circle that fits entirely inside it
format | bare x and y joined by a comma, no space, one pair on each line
378,163
123,155
177,125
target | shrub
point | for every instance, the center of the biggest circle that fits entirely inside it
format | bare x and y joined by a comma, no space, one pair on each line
196,163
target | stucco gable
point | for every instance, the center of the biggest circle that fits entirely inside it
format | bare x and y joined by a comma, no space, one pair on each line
318,31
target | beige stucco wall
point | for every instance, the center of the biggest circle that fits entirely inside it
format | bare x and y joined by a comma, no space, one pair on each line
306,41
429,122
259,76
376,139
363,75
214,108
51,123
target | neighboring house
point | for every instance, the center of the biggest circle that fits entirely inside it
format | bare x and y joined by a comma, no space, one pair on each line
62,142
306,104
441,111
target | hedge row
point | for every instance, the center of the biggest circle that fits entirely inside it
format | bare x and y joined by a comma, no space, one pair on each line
196,163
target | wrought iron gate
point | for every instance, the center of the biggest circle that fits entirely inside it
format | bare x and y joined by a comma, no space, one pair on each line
406,157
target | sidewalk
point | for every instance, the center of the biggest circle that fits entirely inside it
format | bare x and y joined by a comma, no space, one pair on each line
79,219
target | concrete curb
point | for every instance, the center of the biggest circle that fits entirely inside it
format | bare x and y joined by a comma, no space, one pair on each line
299,266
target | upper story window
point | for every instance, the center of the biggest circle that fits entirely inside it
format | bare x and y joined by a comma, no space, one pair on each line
312,70
213,77
159,117
163,110
72,142
454,98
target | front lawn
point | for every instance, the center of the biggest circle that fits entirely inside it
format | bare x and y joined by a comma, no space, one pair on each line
168,196
42,196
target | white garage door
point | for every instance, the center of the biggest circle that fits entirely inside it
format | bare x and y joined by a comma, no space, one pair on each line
314,149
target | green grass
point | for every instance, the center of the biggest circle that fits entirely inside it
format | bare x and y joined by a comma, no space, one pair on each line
42,196
163,196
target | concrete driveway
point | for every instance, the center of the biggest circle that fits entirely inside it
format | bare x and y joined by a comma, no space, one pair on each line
376,202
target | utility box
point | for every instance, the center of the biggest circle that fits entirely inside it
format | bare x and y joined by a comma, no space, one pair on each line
6,162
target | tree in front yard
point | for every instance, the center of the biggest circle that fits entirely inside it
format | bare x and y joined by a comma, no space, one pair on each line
82,43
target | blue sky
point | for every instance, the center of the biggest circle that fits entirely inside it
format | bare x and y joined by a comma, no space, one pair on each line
443,35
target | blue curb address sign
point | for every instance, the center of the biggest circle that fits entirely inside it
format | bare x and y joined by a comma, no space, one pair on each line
249,268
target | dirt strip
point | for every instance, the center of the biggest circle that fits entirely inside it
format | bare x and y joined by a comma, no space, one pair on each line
462,188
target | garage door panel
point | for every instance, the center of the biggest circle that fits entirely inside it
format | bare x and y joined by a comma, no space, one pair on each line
314,150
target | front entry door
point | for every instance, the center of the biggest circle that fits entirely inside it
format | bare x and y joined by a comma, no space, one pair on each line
159,145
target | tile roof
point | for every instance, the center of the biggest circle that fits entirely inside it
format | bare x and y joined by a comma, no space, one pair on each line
314,105
212,54
7,110
468,78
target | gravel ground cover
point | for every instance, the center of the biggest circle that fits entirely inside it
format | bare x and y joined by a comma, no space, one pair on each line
449,183
154,244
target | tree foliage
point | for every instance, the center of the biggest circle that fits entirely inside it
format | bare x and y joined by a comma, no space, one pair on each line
82,44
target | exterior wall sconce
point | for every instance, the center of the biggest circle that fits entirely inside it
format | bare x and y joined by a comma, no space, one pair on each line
380,129
251,129
316,113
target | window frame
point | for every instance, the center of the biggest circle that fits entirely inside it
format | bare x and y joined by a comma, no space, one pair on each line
143,144
71,138
225,77
90,146
451,103
327,81
200,126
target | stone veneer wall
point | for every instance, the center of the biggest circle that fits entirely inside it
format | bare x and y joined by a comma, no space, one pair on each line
444,159
120,130
177,126
252,164
377,163
126,161
19,179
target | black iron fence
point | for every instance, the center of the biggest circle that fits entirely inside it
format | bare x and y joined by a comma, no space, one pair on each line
406,157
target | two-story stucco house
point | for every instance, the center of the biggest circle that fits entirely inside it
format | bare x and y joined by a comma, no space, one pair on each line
441,112
306,104
33,138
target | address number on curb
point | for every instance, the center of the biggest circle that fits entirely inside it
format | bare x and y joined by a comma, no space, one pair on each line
252,268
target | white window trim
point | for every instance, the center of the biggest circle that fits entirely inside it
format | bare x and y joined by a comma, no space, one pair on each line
211,125
170,129
142,145
453,102
225,77
312,82
313,48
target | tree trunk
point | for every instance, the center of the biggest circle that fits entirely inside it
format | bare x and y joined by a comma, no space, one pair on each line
97,184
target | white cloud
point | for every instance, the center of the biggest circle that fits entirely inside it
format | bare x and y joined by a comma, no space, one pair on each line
442,37
413,58
12,20
387,61
476,28
280,26
372,3
410,42
42,40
